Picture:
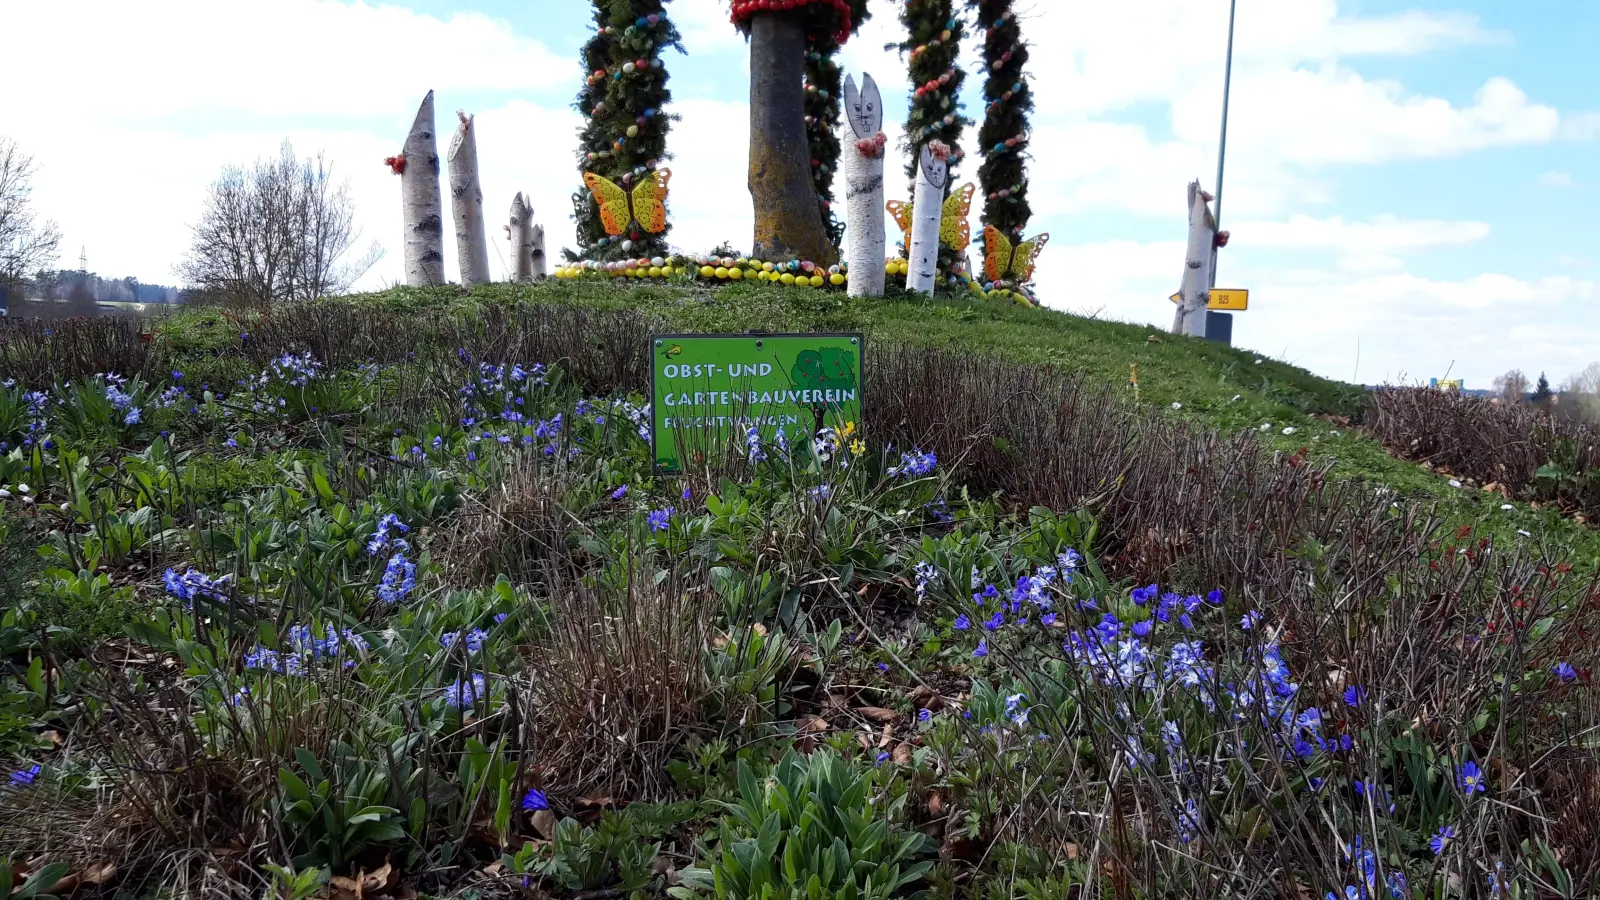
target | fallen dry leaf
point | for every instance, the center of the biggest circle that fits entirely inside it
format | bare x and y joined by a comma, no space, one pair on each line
925,697
901,754
877,714
865,740
544,822
814,724
342,888
100,873
936,805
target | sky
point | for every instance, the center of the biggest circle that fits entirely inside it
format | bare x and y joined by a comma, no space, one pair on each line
1406,181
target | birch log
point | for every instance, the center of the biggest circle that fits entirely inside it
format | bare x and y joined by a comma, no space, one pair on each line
422,218
927,204
1191,315
466,205
862,150
521,233
535,250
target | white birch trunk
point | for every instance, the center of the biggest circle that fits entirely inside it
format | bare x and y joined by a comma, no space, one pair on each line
927,205
521,233
862,149
466,205
536,269
1195,293
421,207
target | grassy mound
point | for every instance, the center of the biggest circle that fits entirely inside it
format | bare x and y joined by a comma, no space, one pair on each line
378,597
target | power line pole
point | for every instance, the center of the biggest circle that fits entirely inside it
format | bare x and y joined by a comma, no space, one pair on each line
1222,145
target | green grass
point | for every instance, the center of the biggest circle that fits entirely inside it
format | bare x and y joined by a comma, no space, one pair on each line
1229,389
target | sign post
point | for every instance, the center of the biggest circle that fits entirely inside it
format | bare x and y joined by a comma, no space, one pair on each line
709,390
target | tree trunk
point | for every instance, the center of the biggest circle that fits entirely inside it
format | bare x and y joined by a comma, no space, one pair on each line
863,185
420,203
927,206
1195,293
527,243
466,206
787,217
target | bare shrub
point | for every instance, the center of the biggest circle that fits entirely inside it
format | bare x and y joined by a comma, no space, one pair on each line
281,230
27,246
37,352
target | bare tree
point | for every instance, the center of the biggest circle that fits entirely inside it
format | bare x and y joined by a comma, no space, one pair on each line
27,246
281,230
1512,387
1582,391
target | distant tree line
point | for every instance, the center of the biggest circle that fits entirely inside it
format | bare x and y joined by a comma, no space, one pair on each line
1577,397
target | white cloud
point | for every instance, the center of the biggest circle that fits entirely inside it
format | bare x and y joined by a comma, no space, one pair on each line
291,58
1556,179
1383,234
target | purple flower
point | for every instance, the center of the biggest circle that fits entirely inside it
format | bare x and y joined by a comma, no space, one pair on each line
883,757
1143,595
660,519
1143,629
883,667
687,494
1441,839
1215,597
962,623
983,649
535,800
1471,778
1250,620
995,621
501,617
24,777
924,715
1564,671
465,692
1354,696
619,493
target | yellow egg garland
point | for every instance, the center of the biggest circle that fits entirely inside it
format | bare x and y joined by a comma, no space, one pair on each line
789,273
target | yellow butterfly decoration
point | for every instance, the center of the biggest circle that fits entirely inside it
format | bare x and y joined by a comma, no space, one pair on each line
647,204
1002,262
954,231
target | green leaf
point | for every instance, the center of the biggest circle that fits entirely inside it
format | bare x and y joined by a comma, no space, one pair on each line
293,785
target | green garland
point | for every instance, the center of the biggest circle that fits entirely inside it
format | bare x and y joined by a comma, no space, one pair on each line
933,45
624,136
1003,177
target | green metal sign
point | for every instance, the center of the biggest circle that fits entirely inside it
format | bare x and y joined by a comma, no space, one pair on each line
709,390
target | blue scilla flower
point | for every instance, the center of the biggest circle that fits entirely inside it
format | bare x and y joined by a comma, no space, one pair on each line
619,493
962,623
924,715
983,649
1143,595
465,692
914,464
1441,839
473,639
535,800
995,621
1143,628
1564,671
25,777
399,579
1354,696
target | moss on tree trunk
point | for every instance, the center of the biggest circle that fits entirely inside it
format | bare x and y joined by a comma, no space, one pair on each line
788,220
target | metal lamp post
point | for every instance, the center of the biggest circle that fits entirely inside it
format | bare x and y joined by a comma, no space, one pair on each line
1222,146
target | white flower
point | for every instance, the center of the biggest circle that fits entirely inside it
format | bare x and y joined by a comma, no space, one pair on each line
1177,405
1507,507
1455,483
1258,362
1236,398
1266,426
4,493
1290,430
1523,533
23,489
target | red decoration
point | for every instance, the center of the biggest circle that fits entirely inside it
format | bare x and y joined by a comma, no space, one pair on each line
396,164
872,147
1222,239
743,9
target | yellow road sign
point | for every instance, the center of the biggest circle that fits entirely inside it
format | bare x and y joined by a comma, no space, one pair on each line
1234,299
1176,298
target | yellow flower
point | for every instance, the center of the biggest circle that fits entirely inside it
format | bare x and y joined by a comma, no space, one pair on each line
848,429
857,447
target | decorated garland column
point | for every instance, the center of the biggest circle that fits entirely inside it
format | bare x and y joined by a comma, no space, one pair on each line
932,46
624,137
1003,139
794,92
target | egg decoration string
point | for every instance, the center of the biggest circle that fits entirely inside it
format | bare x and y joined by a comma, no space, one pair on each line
624,134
